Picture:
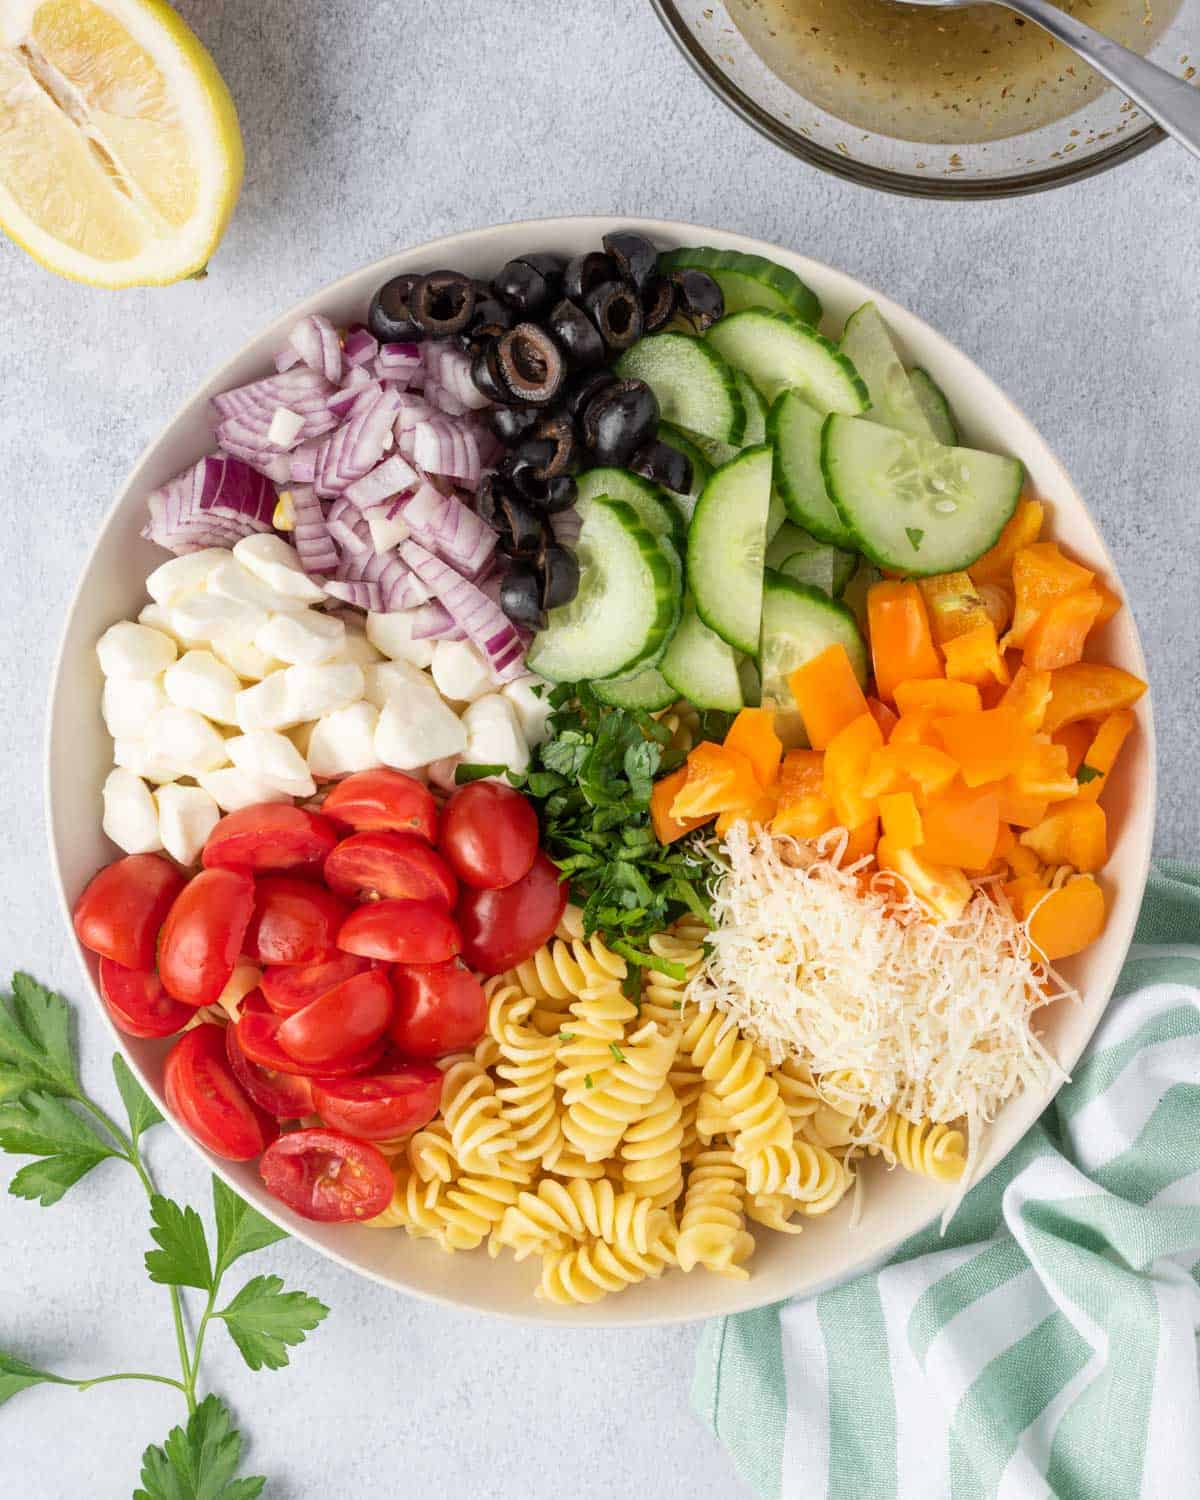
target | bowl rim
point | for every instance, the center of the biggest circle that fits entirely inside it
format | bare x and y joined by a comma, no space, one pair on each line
743,1294
903,184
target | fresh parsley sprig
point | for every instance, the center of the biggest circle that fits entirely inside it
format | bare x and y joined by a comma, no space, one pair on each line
45,1113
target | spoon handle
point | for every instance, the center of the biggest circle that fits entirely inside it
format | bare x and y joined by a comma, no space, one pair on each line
1174,104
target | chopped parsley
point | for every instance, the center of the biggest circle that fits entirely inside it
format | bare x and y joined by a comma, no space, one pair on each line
587,1081
1087,773
616,1051
915,535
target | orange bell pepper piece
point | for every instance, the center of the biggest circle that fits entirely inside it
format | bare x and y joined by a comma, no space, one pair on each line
1068,919
862,841
1027,695
718,780
961,825
1074,833
898,767
901,819
1075,739
999,601
804,811
976,657
1110,601
1101,754
938,694
883,716
752,734
1006,842
1024,893
914,727
846,760
1021,530
988,746
1041,576
901,640
954,605
827,694
1022,861
762,813
667,828
943,889
1089,691
1018,809
1056,638
1045,774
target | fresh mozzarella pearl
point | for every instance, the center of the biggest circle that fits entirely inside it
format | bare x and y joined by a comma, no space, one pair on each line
392,634
392,681
244,658
270,558
129,703
201,618
229,580
307,637
182,575
266,705
130,817
157,618
184,739
186,817
198,680
231,788
313,692
418,730
530,697
129,650
355,647
494,735
460,672
344,741
272,758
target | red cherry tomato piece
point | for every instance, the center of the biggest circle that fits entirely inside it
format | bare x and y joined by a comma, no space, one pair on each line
381,1106
124,905
287,989
294,920
489,835
269,836
287,1096
401,932
203,1093
503,928
327,1176
390,866
257,1038
138,1003
440,1008
383,799
342,1023
201,940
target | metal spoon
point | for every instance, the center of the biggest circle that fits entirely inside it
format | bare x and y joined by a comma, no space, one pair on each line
1174,104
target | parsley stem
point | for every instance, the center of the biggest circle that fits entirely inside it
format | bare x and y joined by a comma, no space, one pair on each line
86,1385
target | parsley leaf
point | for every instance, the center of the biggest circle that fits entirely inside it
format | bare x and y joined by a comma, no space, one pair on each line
915,535
465,774
263,1320
1087,773
43,1124
240,1229
182,1256
616,1051
35,1042
198,1462
141,1109
16,1375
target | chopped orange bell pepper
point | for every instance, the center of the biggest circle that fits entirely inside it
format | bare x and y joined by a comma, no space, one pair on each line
1088,690
961,825
914,727
718,780
1022,861
938,694
1041,576
901,641
1027,695
976,657
1006,842
901,819
1024,893
846,760
804,811
667,828
954,605
1101,754
998,603
943,889
901,766
762,812
1018,809
1073,833
1068,919
1075,739
988,746
882,715
1044,774
752,734
862,841
827,694
1110,601
1056,638
1023,528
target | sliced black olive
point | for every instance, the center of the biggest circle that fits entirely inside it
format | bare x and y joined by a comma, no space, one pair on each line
529,283
390,318
487,499
586,272
664,465
555,432
520,526
619,420
491,318
582,387
578,335
544,493
616,312
551,267
511,423
520,596
559,575
698,298
658,304
483,373
442,303
530,365
636,257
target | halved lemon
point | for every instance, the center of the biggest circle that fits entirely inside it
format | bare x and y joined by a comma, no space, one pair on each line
120,153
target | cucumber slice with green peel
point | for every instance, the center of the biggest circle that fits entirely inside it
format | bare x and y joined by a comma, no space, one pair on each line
694,385
726,543
700,666
701,467
798,623
747,280
756,411
868,344
914,505
932,401
854,593
776,516
844,565
751,682
627,605
715,451
777,351
801,557
790,539
654,505
647,689
794,431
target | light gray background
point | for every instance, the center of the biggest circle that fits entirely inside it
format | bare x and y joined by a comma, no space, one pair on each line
370,126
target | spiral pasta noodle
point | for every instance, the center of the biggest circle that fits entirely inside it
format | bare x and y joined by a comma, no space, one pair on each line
566,969
712,1229
937,1151
481,1138
590,1271
651,1152
526,1063
598,1117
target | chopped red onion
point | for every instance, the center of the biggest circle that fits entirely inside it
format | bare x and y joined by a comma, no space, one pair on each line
401,590
401,364
451,529
360,346
471,609
387,526
216,502
316,341
314,545
304,463
433,622
448,368
348,527
361,595
385,480
358,377
441,445
302,390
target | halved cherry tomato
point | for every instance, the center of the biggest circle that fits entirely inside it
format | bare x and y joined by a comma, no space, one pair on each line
287,1096
385,865
294,920
256,1036
489,835
269,836
290,988
201,939
203,1093
138,1003
381,1106
502,928
440,1008
327,1176
341,1024
401,932
124,905
383,799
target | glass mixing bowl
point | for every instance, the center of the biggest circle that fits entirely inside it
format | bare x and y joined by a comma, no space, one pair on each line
1107,130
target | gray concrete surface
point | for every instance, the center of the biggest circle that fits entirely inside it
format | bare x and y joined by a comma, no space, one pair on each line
370,125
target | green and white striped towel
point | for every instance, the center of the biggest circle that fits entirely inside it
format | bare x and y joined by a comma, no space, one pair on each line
1046,1345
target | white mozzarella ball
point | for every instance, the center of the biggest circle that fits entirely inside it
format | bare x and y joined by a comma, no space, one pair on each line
313,692
130,650
201,618
420,729
186,817
494,735
244,658
307,638
229,580
276,563
157,618
231,788
137,755
392,682
272,758
441,772
130,817
530,697
266,705
344,741
186,740
129,703
392,634
460,672
181,575
355,647
198,680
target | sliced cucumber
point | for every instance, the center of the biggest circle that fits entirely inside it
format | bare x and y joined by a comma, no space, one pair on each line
694,385
655,507
912,504
726,544
794,431
867,342
715,451
798,623
751,681
701,467
748,280
700,666
796,554
776,516
844,565
647,689
756,411
854,594
627,605
777,351
932,401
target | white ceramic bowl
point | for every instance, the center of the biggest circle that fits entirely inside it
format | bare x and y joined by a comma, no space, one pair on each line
79,756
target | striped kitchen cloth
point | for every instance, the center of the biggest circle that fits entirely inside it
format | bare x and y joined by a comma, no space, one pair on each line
1046,1345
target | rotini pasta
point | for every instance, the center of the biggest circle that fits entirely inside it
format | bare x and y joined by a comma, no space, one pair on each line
712,1230
481,1138
598,1117
937,1151
526,1062
651,1154
591,1270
